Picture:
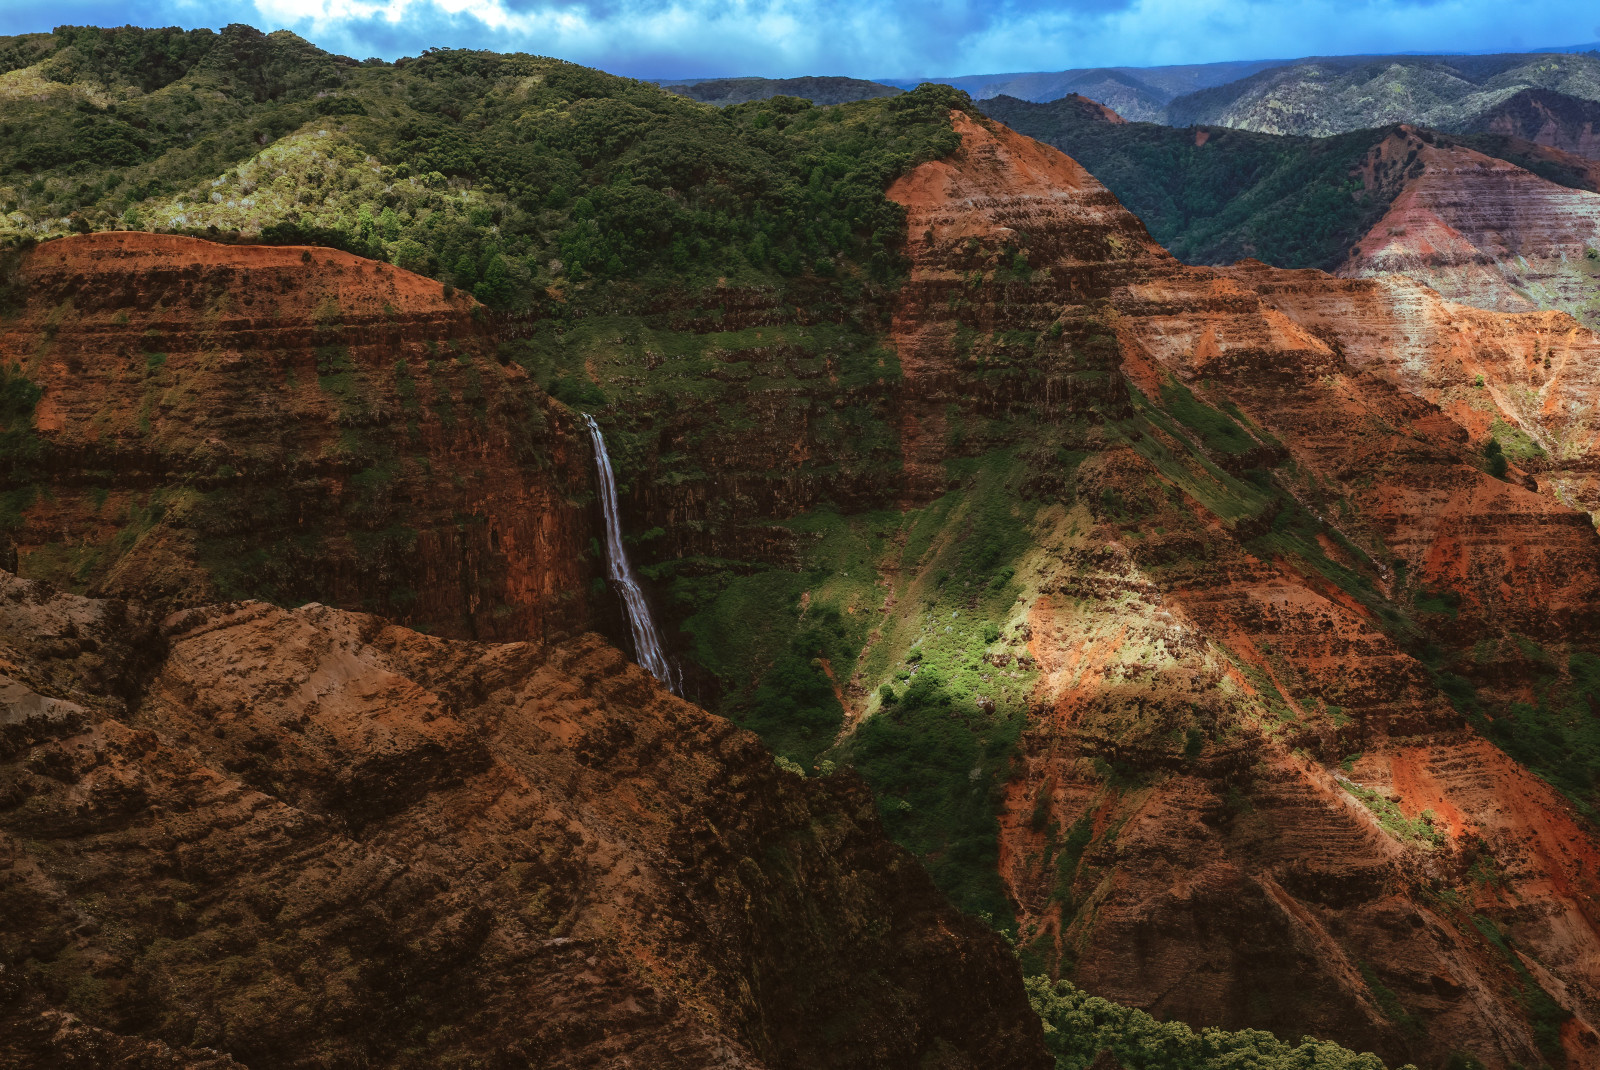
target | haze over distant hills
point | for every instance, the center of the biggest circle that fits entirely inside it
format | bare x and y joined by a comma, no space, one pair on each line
1316,96
825,90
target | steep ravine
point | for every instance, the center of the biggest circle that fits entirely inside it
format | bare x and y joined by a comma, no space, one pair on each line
1201,577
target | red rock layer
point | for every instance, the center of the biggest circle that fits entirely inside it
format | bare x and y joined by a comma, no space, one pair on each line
991,231
1228,696
291,423
308,836
1484,232
1534,375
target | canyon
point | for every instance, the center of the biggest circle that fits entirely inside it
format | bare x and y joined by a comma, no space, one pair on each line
1228,726
1175,617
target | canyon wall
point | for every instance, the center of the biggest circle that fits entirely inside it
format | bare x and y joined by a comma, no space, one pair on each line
1259,655
1246,794
1482,231
217,421
283,837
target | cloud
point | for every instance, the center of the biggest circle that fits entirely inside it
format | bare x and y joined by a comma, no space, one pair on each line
866,38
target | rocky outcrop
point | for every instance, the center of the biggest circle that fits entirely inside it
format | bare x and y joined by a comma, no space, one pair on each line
289,423
999,236
1483,232
292,836
1243,797
1547,118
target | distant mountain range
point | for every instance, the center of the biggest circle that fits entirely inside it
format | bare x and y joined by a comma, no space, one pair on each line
1140,94
1333,95
828,90
1550,97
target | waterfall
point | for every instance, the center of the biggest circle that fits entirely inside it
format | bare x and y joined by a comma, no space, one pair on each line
646,640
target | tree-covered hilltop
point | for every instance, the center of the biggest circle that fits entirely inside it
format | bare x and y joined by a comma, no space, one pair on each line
824,90
503,174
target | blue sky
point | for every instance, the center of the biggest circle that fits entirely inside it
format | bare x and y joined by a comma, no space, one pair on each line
864,38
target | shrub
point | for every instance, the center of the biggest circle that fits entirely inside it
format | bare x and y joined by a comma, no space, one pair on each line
1494,458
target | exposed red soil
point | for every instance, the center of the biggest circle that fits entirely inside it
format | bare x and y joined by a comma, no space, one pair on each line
290,422
1244,883
313,837
1482,231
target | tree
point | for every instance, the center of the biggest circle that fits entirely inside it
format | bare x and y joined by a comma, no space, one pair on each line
1495,457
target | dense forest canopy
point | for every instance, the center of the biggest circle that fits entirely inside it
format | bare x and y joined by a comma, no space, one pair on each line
503,174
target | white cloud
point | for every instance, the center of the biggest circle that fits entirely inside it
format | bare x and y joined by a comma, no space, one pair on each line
866,38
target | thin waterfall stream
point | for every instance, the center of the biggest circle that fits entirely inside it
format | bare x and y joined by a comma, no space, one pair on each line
646,639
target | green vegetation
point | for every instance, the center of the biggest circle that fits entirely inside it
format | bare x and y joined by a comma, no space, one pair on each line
1223,196
939,767
21,449
942,716
1557,735
500,174
825,90
1218,431
1513,443
1421,831
1544,1013
1390,1003
939,753
1494,459
1214,194
1079,1027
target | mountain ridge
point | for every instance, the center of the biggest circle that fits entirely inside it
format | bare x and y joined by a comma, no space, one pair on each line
1225,636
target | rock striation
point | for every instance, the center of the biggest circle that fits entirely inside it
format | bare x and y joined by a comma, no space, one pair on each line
1244,796
1482,231
219,421
1546,118
253,836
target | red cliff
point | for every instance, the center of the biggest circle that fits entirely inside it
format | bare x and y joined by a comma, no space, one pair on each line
289,423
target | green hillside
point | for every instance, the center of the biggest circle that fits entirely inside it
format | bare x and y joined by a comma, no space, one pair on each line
505,174
1213,194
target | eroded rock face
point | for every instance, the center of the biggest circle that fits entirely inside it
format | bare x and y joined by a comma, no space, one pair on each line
1484,232
1000,238
1547,118
289,423
1243,798
1528,379
313,836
